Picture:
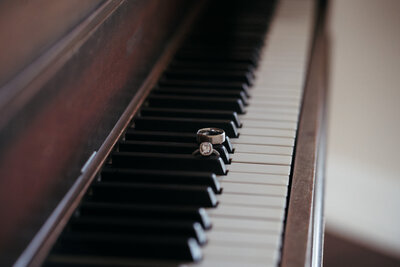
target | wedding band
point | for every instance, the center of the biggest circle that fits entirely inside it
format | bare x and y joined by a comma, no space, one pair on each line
206,149
214,136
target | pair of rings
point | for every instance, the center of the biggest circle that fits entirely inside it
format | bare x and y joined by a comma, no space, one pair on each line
207,137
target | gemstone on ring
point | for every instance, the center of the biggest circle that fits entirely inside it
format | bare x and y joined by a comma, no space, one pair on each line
206,149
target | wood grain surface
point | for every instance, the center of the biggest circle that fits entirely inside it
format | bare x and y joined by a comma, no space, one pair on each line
65,112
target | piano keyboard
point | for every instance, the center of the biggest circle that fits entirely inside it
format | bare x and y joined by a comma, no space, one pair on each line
154,203
249,222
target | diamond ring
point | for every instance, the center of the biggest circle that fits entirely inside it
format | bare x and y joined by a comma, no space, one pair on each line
206,149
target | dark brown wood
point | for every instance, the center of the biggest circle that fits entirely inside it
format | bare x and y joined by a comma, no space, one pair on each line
64,113
297,243
25,30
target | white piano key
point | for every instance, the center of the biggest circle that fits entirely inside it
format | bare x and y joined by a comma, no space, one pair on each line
281,101
243,238
282,110
263,213
267,132
268,248
270,116
269,60
276,66
273,110
257,178
271,64
290,74
273,94
270,124
263,149
291,78
261,93
276,84
227,262
266,103
259,168
284,58
233,198
265,140
261,158
265,80
257,189
265,93
247,225
275,90
222,255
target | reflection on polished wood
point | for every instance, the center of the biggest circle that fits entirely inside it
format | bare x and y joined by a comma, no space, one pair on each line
63,113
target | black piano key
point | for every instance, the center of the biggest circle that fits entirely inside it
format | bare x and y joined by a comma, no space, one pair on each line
55,260
213,75
202,93
168,147
255,24
160,194
219,49
140,211
129,246
188,125
242,26
153,176
213,35
137,227
229,34
160,161
213,51
223,152
190,46
228,145
188,64
189,137
240,41
191,113
207,103
168,136
205,85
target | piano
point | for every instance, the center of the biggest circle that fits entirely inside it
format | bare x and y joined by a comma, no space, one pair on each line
97,136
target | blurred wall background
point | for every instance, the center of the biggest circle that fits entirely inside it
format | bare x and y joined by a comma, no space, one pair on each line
363,162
